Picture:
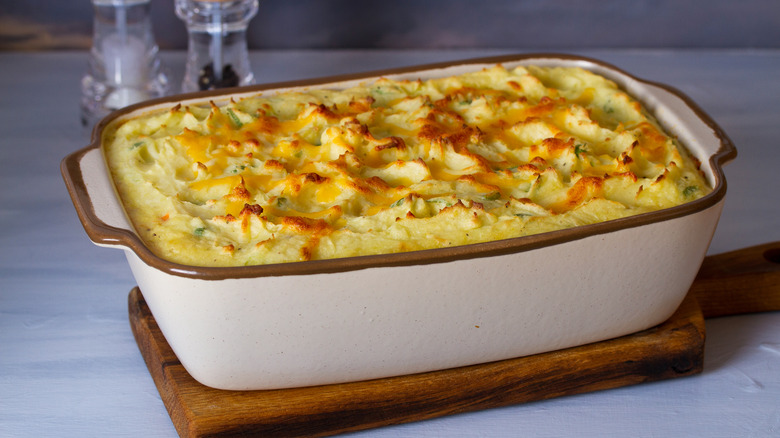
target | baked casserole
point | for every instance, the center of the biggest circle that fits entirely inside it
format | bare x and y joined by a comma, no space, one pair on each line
393,166
413,157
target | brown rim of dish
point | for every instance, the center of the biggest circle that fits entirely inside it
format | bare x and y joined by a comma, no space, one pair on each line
100,232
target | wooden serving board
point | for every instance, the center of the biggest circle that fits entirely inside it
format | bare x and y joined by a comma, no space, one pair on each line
672,349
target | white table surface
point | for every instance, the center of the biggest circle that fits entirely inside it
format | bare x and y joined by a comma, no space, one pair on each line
69,366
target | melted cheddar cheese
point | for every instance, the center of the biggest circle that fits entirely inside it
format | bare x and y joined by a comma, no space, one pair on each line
393,166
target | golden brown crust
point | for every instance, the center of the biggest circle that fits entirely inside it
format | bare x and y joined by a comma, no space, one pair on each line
400,165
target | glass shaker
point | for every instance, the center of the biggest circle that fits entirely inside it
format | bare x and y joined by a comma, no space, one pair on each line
217,55
124,66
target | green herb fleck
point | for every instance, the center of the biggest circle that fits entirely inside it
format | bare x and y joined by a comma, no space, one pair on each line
199,231
579,149
492,196
136,144
689,191
440,201
234,118
397,203
281,202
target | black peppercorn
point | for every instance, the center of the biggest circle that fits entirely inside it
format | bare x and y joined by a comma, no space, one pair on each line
208,81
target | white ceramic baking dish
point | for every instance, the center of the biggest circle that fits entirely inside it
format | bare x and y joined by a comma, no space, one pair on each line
330,321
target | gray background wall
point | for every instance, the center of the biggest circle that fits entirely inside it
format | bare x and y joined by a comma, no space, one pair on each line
539,24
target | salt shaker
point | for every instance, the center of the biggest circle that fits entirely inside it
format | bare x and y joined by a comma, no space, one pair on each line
217,55
124,66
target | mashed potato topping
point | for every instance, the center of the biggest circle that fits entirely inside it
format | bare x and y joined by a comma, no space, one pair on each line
393,166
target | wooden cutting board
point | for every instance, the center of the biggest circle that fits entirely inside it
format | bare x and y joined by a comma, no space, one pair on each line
727,284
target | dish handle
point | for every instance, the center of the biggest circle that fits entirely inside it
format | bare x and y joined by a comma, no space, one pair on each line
95,199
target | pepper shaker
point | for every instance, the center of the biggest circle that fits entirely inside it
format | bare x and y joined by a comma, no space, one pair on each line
124,66
217,55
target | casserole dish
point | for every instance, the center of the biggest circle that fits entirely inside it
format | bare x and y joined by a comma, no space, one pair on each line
331,321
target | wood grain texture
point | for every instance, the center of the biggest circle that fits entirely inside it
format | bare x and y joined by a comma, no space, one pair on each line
672,349
739,282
